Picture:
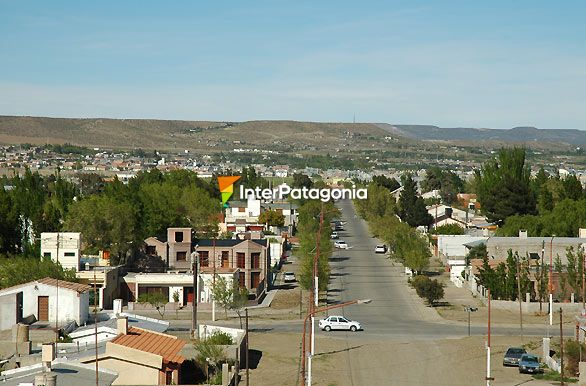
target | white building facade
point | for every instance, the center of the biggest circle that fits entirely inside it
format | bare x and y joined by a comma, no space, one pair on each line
64,247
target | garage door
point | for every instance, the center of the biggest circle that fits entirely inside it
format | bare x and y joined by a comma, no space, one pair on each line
43,308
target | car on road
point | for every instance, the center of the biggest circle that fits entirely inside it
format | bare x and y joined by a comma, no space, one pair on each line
340,244
381,248
334,235
529,364
336,322
513,355
289,277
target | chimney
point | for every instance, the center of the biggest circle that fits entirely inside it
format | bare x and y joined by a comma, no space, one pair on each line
122,324
45,379
522,233
582,233
449,211
47,355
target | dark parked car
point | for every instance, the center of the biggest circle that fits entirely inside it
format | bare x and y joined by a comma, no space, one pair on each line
529,364
513,355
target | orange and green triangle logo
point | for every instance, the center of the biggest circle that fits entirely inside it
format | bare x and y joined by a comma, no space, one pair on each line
226,184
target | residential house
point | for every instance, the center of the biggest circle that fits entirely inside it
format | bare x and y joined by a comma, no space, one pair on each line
141,357
176,251
533,247
250,256
170,283
107,281
64,247
242,216
45,300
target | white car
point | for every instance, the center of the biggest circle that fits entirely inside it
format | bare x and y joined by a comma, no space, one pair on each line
340,244
336,322
381,248
289,276
334,235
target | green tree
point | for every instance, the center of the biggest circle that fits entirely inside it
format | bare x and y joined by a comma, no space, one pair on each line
572,188
272,218
390,184
301,180
504,186
18,270
431,290
157,300
106,224
412,208
449,229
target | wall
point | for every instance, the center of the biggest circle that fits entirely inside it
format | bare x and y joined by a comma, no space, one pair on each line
69,243
453,245
7,311
131,373
70,307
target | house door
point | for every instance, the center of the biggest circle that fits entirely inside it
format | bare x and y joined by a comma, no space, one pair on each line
254,279
187,295
43,304
19,307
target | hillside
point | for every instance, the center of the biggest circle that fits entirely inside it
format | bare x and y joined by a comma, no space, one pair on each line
516,134
171,134
285,136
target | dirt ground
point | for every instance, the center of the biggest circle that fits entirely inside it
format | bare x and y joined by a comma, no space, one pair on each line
443,362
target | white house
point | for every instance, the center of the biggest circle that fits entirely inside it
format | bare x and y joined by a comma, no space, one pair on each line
47,300
64,247
170,283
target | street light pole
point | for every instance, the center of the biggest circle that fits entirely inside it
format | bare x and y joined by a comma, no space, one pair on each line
312,313
519,294
194,268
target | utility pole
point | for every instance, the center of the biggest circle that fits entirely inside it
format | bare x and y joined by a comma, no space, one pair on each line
519,295
315,301
214,278
551,281
583,282
194,268
488,377
562,346
57,303
541,278
247,369
96,328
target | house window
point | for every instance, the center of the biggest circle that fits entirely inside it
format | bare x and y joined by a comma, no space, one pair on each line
241,279
69,254
47,254
225,259
169,377
181,256
254,279
240,259
204,259
151,250
178,237
255,260
241,210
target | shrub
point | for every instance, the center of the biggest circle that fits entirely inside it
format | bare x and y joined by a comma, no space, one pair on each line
220,338
431,290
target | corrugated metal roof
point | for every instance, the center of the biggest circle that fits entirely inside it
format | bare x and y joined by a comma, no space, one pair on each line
65,284
167,346
52,282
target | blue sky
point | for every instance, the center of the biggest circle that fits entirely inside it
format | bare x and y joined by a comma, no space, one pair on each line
451,63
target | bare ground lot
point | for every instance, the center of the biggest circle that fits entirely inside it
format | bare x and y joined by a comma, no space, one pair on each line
458,362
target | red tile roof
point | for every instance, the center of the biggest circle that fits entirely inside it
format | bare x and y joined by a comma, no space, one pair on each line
167,346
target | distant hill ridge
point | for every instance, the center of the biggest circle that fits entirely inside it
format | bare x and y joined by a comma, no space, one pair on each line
170,134
516,134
